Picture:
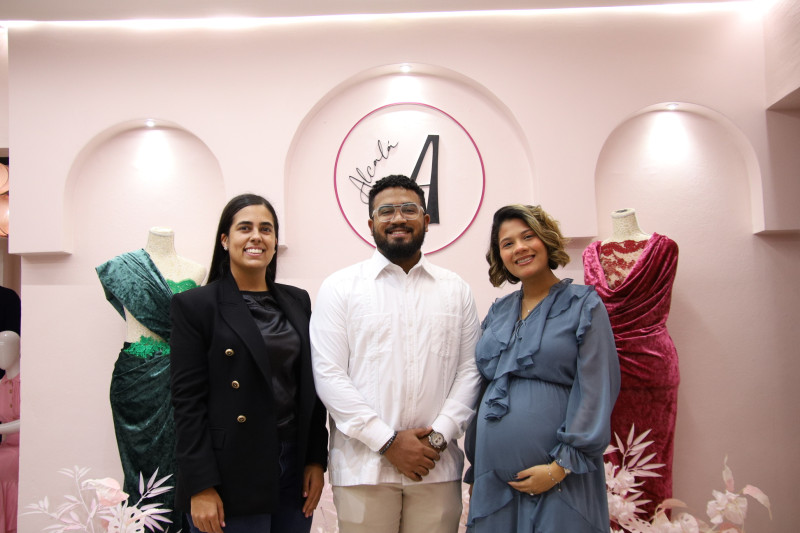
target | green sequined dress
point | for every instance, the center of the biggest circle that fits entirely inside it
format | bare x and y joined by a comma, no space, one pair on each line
140,384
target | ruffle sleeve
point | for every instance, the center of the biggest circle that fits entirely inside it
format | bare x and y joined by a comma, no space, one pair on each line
586,431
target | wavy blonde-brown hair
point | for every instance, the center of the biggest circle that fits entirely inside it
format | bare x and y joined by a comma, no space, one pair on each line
543,225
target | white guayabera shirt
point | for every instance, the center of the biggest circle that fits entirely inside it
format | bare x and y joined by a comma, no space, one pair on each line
390,352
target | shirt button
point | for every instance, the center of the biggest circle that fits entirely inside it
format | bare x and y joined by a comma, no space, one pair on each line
229,352
235,384
241,419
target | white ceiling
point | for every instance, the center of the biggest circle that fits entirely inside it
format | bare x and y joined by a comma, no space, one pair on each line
53,10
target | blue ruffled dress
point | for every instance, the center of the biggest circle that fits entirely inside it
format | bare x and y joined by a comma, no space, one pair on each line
553,379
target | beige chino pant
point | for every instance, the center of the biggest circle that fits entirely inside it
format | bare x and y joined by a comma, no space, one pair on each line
397,508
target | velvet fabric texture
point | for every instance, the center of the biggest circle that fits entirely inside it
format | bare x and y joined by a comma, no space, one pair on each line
140,385
132,281
638,308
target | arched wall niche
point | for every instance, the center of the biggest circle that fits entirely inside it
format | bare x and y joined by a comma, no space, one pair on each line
670,141
136,175
702,192
312,156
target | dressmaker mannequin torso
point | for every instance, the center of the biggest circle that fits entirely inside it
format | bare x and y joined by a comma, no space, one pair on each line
633,273
174,268
625,227
9,361
621,251
140,285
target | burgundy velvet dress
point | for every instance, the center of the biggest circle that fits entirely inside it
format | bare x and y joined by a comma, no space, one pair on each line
638,307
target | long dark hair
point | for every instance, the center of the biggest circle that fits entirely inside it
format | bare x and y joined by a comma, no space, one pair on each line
220,260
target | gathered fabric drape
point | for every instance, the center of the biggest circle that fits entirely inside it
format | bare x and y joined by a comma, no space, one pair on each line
638,308
140,385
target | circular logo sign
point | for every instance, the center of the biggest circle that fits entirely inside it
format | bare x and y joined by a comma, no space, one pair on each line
424,143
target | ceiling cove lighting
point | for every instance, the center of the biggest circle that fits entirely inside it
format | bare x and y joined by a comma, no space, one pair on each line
238,23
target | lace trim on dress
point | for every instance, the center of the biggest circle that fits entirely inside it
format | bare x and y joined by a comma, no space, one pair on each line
619,258
181,286
147,347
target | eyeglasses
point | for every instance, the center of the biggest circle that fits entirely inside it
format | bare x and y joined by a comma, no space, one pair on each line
409,211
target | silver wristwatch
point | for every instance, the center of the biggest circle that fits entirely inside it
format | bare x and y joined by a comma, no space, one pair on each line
437,441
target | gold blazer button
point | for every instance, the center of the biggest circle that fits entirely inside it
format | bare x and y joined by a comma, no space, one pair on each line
241,419
235,384
229,352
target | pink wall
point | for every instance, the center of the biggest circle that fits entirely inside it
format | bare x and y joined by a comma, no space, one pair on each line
554,105
731,316
782,51
3,91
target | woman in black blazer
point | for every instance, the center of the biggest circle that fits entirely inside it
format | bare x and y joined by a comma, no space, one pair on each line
251,437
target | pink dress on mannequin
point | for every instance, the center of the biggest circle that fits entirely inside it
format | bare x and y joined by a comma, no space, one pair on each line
638,305
9,455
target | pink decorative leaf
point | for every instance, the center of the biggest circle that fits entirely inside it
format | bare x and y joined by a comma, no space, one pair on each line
152,479
647,473
630,436
633,460
641,437
651,466
645,460
759,495
149,506
161,481
727,476
641,446
671,503
156,491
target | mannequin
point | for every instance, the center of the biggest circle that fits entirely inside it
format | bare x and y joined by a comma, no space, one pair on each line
140,285
633,273
9,428
621,251
625,227
175,269
10,310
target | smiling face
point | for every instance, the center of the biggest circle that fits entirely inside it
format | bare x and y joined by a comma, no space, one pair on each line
399,240
523,253
251,244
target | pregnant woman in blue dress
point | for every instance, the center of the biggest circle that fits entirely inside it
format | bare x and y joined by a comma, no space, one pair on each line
552,376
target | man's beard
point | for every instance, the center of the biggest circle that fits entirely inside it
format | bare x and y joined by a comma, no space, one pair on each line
398,251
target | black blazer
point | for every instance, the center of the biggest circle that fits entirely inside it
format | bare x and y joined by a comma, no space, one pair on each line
222,395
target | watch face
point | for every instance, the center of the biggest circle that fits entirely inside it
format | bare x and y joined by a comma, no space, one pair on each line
437,440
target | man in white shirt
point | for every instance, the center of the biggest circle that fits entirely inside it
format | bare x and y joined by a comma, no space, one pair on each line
393,350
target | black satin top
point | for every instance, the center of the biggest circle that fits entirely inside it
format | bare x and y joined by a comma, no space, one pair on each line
283,347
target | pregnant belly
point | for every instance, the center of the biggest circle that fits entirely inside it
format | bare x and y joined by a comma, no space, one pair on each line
525,435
